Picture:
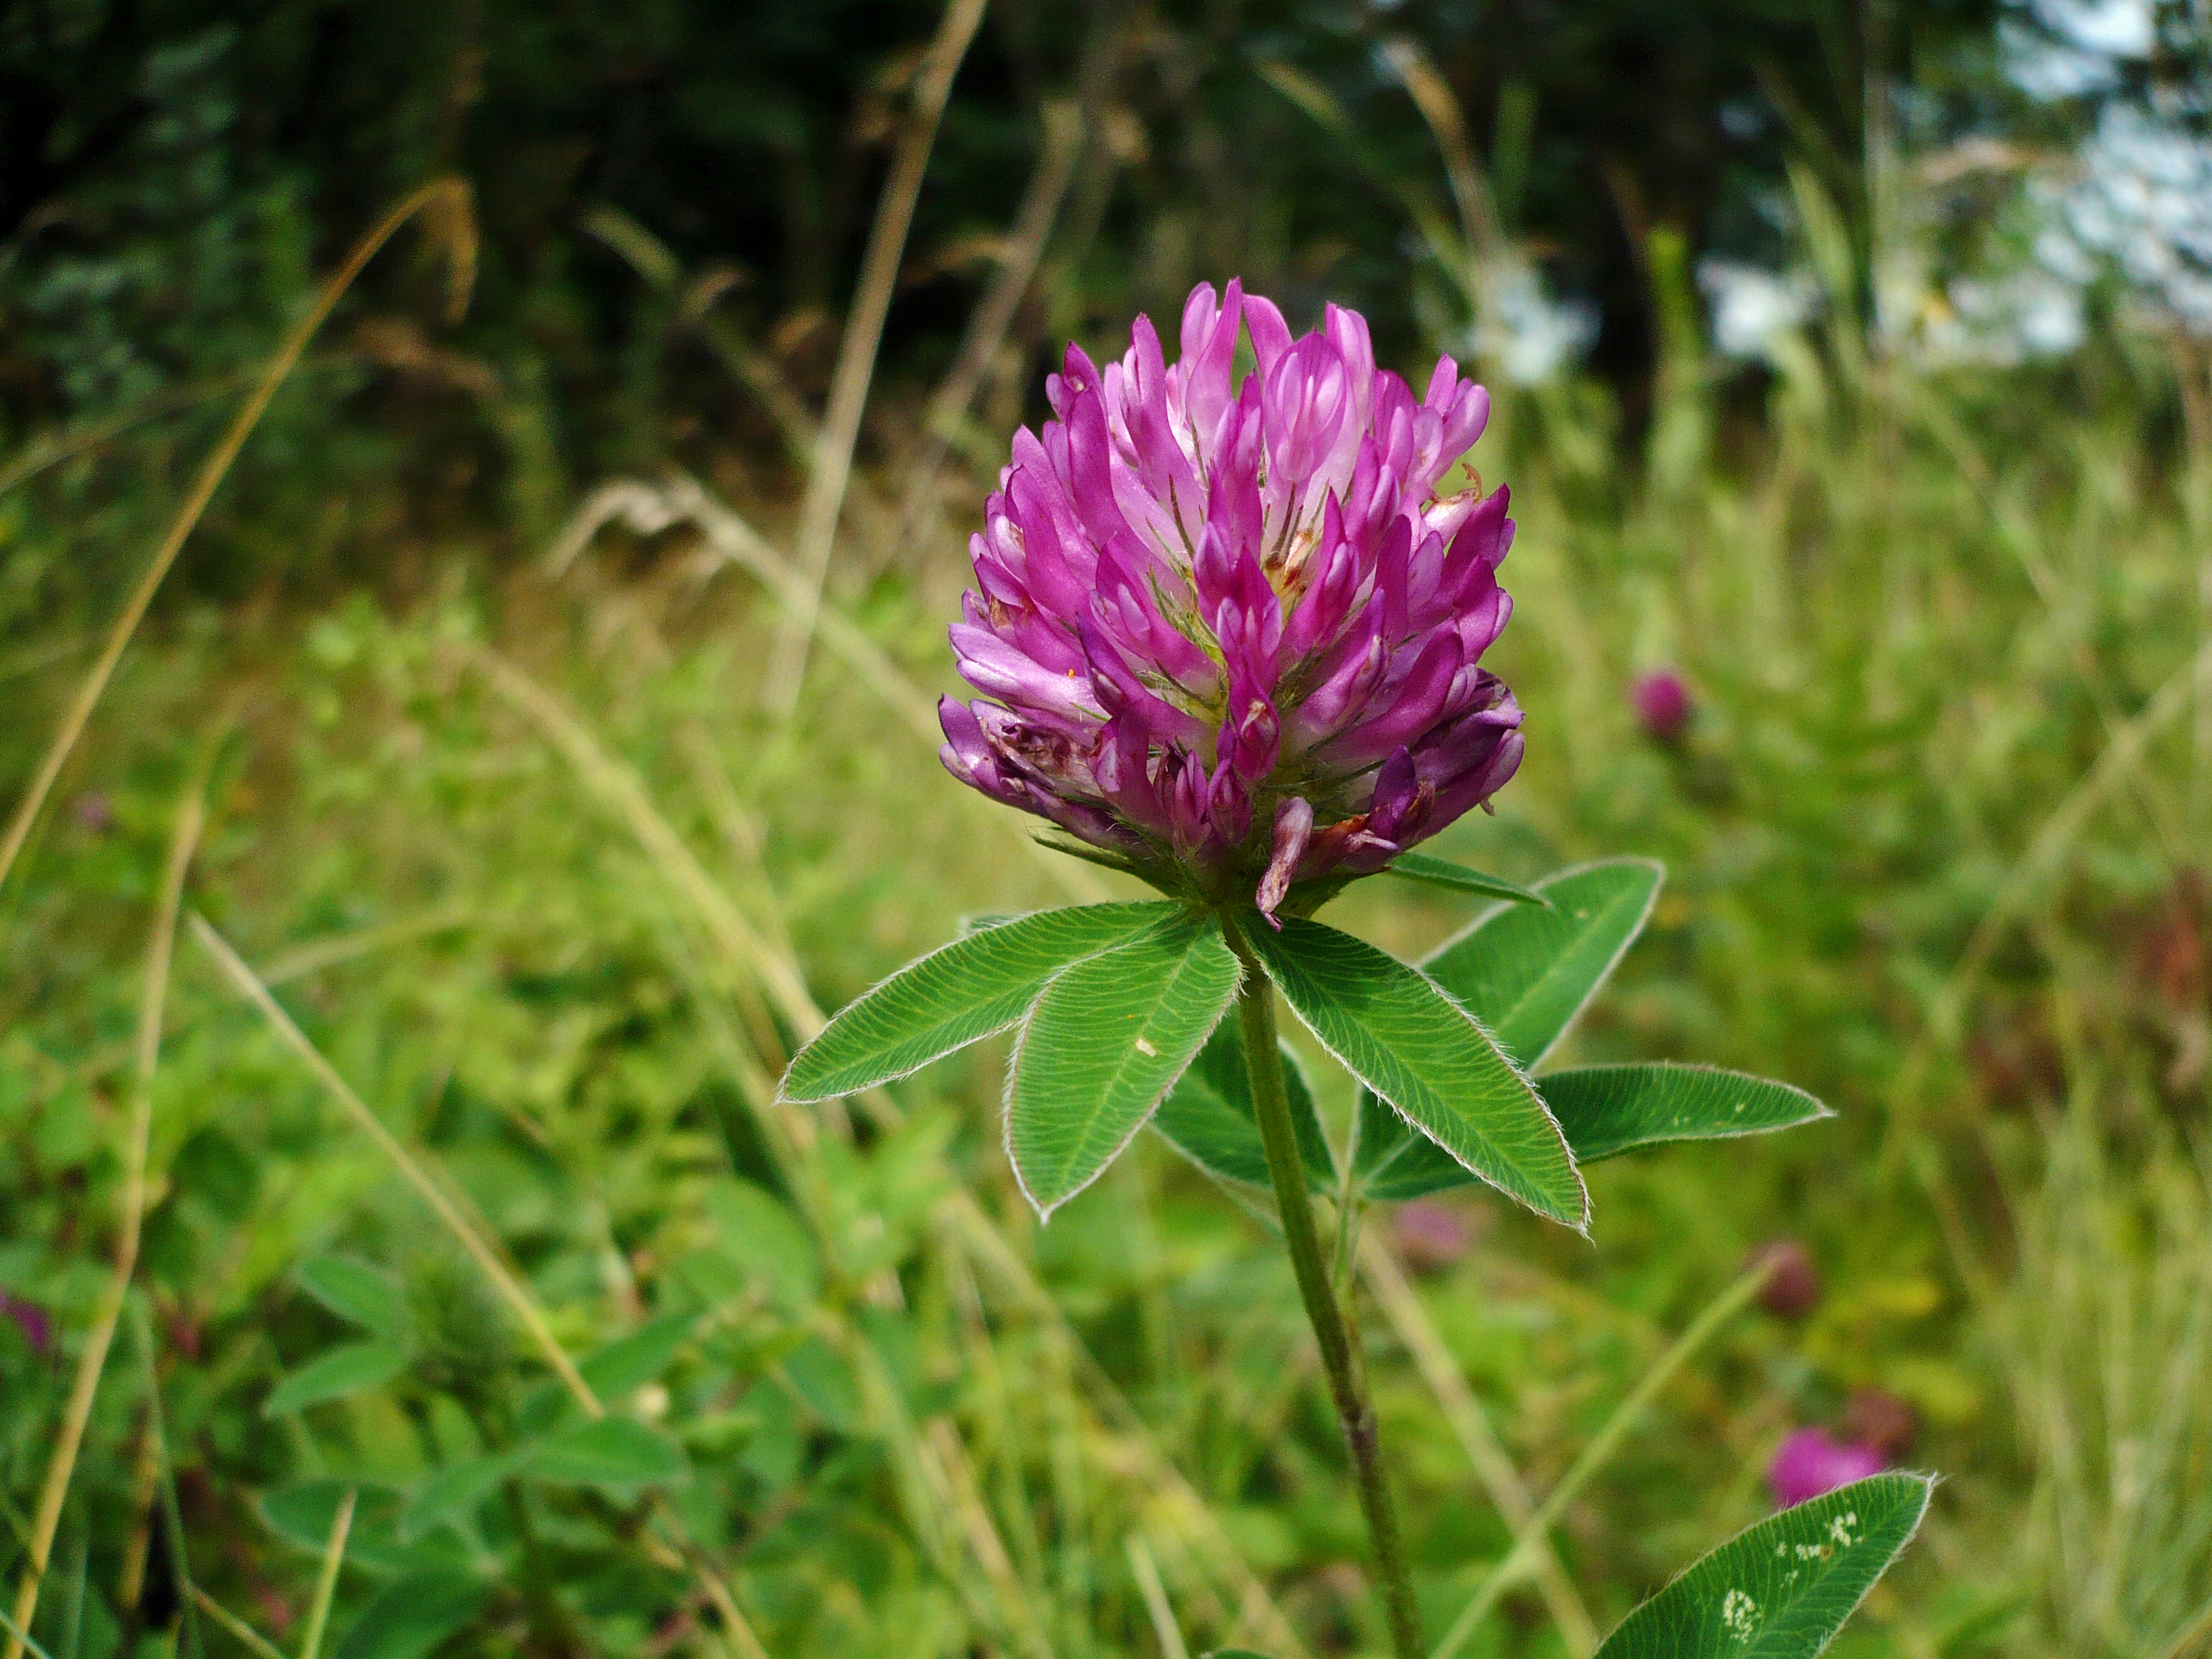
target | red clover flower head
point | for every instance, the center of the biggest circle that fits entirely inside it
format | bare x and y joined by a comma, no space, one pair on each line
1230,634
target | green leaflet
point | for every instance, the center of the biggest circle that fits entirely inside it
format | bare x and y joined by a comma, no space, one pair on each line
1605,1110
1437,872
1784,1588
1104,1043
341,1371
629,1361
617,1453
412,1615
1208,1117
1608,1109
355,1291
455,1490
1419,1050
1525,973
955,995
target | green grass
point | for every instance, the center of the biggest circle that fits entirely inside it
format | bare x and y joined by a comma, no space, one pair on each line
1927,838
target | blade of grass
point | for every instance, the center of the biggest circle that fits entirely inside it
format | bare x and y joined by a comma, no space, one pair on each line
987,325
449,197
131,1209
326,1580
1522,1555
239,1631
21,1638
1464,1412
172,1514
856,352
1178,1504
1155,1593
1904,1139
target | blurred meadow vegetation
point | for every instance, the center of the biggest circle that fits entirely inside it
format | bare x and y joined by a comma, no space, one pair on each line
497,1306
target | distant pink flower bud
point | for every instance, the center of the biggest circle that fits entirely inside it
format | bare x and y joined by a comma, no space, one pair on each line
1431,1236
1876,1417
1793,1284
1662,703
30,1318
1231,632
1811,1462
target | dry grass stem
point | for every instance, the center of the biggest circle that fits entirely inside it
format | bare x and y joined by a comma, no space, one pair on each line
856,352
1147,1574
519,1302
447,199
648,510
987,323
153,991
327,1578
239,1631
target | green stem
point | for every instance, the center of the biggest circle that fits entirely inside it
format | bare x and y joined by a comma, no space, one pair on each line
1255,1014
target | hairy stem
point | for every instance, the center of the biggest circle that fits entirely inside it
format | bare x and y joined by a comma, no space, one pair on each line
1255,1014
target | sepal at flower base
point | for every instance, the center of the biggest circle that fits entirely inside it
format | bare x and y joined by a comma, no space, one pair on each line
1458,879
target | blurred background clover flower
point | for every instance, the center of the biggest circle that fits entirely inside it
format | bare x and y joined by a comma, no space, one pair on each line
1233,634
1812,1462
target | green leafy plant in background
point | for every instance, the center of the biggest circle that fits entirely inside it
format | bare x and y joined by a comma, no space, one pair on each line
1251,708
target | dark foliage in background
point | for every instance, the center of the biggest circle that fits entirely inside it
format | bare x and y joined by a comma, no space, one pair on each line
172,170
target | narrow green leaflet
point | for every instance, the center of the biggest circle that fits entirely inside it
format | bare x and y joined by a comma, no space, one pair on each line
1784,1588
1423,1053
341,1371
301,1514
1208,1117
1525,973
1608,1109
454,1492
355,1291
1603,1111
955,995
629,1361
1104,1043
616,1454
1437,872
412,1615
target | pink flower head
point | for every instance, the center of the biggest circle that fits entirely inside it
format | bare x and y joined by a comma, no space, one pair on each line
1231,631
1810,1462
1663,707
